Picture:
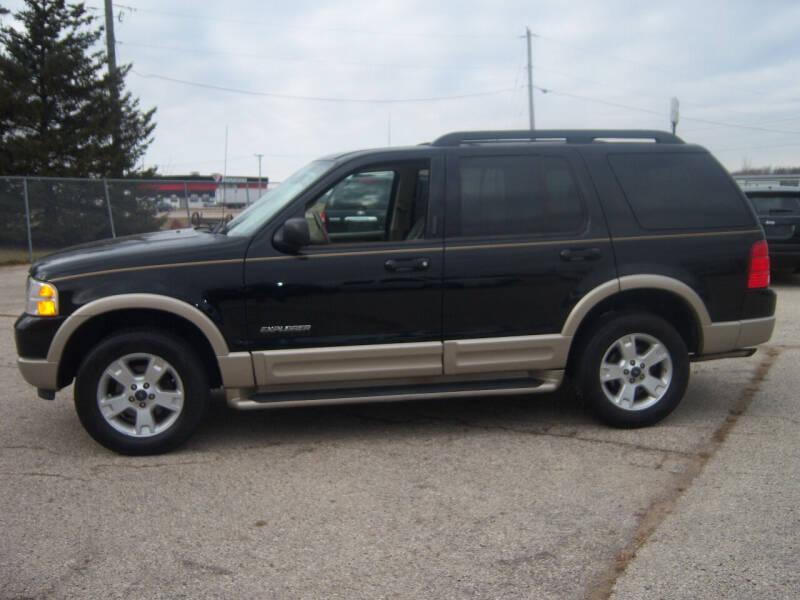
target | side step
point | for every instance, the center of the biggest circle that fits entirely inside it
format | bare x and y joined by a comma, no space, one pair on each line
397,393
742,353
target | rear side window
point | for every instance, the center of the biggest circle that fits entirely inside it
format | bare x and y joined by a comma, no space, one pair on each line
679,191
517,195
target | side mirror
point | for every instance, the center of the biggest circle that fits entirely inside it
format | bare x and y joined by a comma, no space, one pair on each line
292,235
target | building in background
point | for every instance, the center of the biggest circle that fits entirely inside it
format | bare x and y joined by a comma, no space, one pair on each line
239,192
234,192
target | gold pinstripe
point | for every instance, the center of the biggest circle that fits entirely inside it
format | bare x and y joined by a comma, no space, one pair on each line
412,250
355,253
666,236
146,267
527,244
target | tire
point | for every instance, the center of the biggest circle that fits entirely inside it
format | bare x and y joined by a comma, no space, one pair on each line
141,392
612,380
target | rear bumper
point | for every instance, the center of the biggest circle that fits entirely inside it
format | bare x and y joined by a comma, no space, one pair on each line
732,335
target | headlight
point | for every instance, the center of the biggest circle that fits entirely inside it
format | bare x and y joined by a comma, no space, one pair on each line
42,299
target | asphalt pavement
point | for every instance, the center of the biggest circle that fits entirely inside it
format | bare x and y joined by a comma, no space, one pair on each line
521,497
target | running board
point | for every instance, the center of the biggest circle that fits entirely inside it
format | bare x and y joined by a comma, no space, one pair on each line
742,353
355,395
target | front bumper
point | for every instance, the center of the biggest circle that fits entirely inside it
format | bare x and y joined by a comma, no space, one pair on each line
39,373
33,336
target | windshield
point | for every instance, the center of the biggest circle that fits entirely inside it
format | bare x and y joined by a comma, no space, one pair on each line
252,218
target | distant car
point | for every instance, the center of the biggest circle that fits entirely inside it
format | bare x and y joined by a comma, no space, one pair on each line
163,207
779,213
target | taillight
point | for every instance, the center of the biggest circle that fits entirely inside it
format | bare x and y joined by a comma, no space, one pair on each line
758,270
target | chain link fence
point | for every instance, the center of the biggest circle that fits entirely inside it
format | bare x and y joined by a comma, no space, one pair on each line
39,215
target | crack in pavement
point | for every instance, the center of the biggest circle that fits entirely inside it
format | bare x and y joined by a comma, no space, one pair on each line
42,474
202,567
150,465
650,519
546,431
572,436
42,448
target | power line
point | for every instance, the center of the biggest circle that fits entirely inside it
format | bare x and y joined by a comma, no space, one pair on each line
452,97
667,70
321,98
660,113
290,26
757,147
783,120
739,126
262,57
597,100
595,52
305,60
284,25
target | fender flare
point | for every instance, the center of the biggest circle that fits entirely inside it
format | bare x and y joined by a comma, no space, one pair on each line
157,302
636,282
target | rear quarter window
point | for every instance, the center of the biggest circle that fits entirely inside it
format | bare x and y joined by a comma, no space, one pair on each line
679,191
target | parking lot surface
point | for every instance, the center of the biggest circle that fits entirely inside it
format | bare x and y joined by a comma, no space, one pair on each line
521,497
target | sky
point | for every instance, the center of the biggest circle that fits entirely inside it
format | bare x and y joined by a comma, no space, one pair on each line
297,80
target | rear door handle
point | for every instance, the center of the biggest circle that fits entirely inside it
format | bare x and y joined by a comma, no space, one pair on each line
397,265
579,254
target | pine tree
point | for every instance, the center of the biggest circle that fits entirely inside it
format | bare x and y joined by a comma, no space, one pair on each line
61,113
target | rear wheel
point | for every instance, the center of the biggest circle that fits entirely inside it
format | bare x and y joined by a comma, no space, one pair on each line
634,370
141,392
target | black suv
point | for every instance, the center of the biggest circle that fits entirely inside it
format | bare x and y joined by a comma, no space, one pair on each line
778,210
487,263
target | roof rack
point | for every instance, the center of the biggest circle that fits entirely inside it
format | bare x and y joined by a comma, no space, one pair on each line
570,136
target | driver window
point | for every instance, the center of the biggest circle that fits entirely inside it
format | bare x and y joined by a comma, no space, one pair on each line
379,204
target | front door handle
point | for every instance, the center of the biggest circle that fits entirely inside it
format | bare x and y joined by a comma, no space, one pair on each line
579,254
397,265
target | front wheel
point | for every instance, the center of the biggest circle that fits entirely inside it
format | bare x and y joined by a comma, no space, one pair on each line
141,392
634,370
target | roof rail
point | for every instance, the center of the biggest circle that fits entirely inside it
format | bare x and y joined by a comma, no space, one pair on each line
570,136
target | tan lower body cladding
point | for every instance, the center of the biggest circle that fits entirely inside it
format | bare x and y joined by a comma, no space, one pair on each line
424,359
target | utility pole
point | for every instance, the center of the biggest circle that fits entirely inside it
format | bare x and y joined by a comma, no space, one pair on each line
116,120
258,156
225,172
110,41
530,78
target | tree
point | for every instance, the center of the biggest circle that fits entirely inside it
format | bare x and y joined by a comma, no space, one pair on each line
61,113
